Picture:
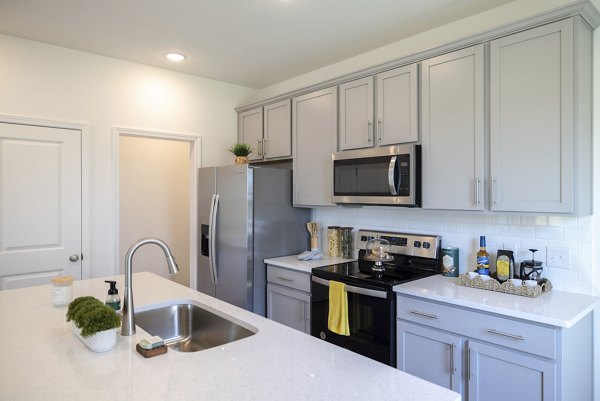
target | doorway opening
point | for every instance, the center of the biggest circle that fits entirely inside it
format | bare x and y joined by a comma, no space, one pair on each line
157,198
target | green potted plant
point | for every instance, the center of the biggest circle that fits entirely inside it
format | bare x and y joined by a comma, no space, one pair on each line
241,152
95,324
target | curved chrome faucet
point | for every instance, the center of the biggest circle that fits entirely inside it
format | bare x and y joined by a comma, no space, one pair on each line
128,325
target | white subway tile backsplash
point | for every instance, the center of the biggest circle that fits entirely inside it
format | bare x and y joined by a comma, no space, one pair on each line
554,233
462,229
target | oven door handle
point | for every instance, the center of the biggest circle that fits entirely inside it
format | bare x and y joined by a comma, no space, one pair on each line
355,290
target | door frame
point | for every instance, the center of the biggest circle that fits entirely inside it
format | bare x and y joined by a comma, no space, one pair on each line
85,132
195,163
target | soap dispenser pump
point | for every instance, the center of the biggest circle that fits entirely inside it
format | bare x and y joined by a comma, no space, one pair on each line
112,299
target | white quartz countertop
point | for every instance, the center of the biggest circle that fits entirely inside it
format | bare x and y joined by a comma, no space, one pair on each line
42,359
555,308
292,262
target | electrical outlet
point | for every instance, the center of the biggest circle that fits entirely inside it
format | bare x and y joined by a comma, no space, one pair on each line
558,257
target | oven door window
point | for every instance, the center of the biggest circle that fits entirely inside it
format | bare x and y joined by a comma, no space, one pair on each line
365,177
371,320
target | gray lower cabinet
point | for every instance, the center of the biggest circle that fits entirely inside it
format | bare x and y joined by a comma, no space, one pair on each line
488,357
288,297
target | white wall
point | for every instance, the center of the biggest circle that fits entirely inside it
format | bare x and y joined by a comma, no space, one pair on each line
54,83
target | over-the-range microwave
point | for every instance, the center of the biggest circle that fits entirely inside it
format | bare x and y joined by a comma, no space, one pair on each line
388,175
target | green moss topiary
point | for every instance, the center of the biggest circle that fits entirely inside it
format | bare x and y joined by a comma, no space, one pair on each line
92,316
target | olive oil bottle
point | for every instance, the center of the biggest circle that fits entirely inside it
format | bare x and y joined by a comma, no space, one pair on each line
483,258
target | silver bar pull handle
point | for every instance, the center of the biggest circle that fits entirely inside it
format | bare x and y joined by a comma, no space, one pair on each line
452,368
469,364
379,129
260,148
355,290
509,335
493,189
424,314
477,200
285,278
369,131
264,147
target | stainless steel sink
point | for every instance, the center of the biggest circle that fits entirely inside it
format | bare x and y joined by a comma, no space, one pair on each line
186,327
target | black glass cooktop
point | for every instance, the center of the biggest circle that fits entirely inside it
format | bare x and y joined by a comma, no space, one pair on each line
359,273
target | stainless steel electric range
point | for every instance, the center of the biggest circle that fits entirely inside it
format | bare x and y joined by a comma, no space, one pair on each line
369,284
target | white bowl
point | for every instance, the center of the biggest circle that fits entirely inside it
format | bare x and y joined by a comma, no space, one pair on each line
531,283
517,282
472,275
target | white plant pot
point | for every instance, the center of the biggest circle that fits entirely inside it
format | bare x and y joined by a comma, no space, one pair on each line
100,342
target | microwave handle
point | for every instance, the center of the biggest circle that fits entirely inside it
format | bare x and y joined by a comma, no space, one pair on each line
391,171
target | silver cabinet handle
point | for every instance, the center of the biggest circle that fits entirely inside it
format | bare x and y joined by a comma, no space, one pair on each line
469,364
492,189
369,131
260,148
501,333
264,147
477,182
74,258
379,130
452,369
285,278
418,313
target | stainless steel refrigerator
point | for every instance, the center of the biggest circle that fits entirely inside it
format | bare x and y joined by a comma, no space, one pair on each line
245,215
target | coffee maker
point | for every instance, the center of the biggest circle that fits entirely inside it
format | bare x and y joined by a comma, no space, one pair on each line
531,269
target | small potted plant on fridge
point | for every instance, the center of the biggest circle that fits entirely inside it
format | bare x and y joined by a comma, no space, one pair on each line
241,152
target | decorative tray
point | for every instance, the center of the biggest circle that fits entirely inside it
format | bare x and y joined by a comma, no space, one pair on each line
507,287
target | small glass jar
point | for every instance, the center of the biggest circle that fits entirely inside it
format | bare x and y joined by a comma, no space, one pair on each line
347,242
62,290
334,246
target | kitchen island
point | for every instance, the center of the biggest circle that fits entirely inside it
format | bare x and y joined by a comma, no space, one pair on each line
41,359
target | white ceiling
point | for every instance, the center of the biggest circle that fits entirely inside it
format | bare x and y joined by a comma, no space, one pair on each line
254,43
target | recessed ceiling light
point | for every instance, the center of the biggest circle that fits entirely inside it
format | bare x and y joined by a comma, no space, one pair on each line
176,57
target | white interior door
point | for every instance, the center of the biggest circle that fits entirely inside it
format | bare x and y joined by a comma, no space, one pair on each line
40,204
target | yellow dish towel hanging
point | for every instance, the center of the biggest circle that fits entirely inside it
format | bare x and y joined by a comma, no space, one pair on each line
338,309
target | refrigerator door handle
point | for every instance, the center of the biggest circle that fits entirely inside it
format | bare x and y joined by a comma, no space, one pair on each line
212,238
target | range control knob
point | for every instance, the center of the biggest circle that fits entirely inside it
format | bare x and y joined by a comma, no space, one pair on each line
426,245
417,244
322,335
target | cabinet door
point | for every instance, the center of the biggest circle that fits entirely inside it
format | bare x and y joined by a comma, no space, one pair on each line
498,374
356,114
277,137
250,131
430,354
531,120
397,106
288,307
453,130
314,138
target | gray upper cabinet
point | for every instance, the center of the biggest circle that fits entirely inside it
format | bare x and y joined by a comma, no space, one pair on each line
314,137
396,109
453,130
250,131
398,106
356,114
267,130
533,92
277,133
